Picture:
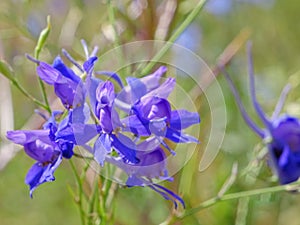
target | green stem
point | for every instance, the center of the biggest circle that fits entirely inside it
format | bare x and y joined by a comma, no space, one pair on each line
117,42
40,44
92,202
43,89
80,194
189,19
24,92
243,194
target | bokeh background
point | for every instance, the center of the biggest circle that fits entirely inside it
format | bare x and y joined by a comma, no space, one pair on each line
273,27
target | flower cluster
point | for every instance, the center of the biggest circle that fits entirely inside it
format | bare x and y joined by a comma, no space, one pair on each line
127,128
281,132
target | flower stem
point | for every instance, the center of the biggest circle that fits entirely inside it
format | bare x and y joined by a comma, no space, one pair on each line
189,19
80,194
91,207
243,194
117,41
24,92
40,44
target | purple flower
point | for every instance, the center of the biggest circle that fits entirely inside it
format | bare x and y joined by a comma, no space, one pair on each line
50,145
37,145
281,132
151,112
67,85
108,122
285,148
152,165
138,87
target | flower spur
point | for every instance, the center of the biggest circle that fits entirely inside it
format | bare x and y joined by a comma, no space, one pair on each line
281,132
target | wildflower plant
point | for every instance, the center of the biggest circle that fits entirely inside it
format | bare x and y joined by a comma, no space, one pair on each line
124,127
149,118
281,132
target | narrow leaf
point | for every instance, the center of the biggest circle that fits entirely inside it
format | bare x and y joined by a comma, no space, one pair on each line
6,70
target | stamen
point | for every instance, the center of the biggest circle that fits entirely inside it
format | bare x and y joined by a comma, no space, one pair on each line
73,61
241,107
257,107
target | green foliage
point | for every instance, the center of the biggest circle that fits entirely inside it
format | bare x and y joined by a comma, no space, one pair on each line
276,58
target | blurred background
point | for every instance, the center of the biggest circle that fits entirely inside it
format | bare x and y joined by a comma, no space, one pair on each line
273,27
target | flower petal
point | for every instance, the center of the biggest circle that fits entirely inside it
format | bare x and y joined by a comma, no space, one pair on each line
164,90
181,119
89,64
59,65
133,124
179,137
47,73
40,173
125,146
102,147
139,87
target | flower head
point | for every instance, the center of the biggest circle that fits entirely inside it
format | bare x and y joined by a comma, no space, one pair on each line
37,145
46,147
282,131
151,113
67,85
285,148
125,128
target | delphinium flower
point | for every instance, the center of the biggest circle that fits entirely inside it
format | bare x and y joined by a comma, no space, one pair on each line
42,146
149,117
150,111
151,166
57,139
281,132
126,128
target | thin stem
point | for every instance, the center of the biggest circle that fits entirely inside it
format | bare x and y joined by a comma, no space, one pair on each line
40,44
242,211
281,101
189,19
83,157
79,200
230,181
24,92
255,103
241,107
117,41
92,202
252,173
243,194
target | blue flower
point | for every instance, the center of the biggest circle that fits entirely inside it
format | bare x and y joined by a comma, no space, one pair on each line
151,165
133,142
151,113
285,148
38,145
67,85
108,122
45,146
282,133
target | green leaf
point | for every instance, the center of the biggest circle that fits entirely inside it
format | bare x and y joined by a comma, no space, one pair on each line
6,70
